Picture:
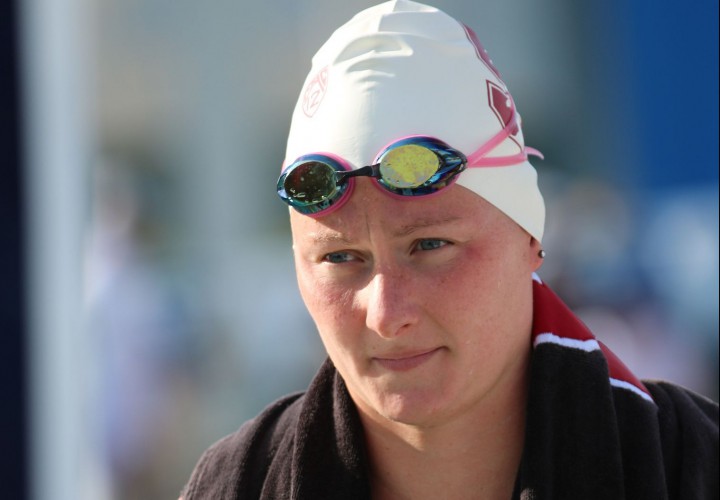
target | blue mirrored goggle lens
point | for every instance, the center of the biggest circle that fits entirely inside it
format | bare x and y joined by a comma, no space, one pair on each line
310,183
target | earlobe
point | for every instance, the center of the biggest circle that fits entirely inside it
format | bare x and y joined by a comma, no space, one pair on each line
537,254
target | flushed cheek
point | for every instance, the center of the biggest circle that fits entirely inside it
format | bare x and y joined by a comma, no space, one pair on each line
458,293
475,279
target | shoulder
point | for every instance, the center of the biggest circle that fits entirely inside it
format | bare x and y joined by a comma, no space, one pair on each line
684,406
245,455
684,415
688,425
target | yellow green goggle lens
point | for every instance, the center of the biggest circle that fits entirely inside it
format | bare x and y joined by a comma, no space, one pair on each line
408,166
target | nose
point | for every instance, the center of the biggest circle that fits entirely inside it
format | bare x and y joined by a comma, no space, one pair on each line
391,303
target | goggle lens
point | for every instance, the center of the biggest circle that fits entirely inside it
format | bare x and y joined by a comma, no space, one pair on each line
311,183
408,166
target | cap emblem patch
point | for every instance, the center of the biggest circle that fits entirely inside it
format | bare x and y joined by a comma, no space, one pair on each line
315,92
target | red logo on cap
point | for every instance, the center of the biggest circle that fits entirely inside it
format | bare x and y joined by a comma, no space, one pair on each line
502,105
315,92
480,50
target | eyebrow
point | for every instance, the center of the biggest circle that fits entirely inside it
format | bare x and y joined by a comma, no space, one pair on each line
325,237
408,229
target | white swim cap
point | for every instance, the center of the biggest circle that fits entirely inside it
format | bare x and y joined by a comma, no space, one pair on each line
402,68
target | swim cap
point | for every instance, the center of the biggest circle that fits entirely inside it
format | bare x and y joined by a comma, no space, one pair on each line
402,68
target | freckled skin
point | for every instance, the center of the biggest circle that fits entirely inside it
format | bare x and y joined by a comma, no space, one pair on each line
387,279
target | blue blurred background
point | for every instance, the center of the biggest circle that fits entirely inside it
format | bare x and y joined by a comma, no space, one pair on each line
163,306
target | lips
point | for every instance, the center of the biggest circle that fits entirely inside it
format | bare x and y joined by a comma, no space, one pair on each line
401,362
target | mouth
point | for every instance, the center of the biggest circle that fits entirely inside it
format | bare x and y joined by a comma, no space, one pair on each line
402,362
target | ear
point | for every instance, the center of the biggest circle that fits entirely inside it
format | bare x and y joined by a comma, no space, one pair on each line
536,259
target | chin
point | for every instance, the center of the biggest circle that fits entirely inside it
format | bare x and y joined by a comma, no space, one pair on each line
418,399
417,408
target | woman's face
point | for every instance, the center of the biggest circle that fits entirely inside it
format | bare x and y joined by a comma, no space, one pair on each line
424,305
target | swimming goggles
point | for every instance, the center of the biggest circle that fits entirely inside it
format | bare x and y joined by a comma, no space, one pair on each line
318,183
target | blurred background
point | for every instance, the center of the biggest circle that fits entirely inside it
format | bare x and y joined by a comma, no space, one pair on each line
156,302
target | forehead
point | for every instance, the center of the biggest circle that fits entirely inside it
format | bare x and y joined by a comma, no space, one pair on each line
370,208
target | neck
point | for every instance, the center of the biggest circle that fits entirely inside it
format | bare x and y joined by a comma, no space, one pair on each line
476,454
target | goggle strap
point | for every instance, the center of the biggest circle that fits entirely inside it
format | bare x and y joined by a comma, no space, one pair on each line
479,159
534,152
493,142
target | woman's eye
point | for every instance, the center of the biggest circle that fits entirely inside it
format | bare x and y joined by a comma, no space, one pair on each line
430,244
338,257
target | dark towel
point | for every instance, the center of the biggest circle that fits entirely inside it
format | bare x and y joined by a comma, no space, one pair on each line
594,432
301,447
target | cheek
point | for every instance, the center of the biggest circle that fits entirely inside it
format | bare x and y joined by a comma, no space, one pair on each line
330,305
470,277
476,290
339,325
